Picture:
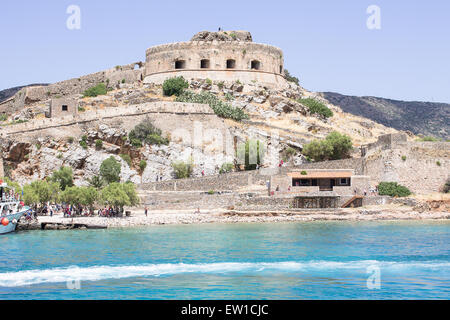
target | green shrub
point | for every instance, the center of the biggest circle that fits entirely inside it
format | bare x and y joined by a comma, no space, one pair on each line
334,147
98,90
148,133
174,86
303,173
250,153
209,81
38,146
221,84
123,81
126,158
291,78
428,139
64,176
226,167
211,192
155,139
446,188
3,117
316,107
404,158
288,153
219,107
81,109
393,189
183,170
98,144
142,166
83,144
229,97
438,163
110,170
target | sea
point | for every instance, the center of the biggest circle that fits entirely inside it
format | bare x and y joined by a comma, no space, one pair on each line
296,260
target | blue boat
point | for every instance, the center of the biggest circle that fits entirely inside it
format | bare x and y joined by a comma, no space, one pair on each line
11,210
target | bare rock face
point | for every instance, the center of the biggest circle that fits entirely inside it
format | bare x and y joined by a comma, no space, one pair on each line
18,151
223,36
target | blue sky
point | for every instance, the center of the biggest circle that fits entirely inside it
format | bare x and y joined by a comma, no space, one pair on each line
326,43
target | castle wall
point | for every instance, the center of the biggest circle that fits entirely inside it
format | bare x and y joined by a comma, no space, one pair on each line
111,77
268,68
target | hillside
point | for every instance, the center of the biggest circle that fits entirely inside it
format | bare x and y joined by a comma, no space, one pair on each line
8,93
427,118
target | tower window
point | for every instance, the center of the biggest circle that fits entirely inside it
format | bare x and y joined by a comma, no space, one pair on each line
255,65
180,64
64,108
281,69
231,64
204,64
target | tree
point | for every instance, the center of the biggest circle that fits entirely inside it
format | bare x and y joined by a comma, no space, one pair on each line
64,176
251,154
335,146
142,166
11,185
41,192
174,86
393,189
110,170
89,196
119,195
96,182
183,170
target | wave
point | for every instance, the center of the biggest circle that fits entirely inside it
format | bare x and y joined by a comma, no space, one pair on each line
96,273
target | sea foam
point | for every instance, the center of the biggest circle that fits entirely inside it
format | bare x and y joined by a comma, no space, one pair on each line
96,273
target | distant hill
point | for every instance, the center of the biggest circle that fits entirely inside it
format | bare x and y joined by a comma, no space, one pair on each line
427,118
7,93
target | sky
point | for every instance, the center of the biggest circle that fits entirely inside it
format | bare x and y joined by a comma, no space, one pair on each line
326,43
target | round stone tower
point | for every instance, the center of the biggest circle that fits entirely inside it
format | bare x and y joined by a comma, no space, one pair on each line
219,56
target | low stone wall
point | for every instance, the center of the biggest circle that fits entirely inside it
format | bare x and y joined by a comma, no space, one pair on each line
160,107
228,181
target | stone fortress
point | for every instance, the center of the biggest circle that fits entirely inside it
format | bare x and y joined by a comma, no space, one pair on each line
249,72
227,56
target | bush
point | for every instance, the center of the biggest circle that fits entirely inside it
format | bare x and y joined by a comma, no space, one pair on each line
446,188
428,139
288,153
183,169
3,117
220,108
404,158
251,154
334,147
211,192
83,144
126,158
316,107
142,166
393,189
98,90
98,144
303,173
64,176
110,170
291,78
226,167
146,132
174,86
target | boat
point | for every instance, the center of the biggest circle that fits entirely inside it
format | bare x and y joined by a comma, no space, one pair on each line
11,209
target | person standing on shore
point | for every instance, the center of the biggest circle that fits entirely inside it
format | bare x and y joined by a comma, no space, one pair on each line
146,211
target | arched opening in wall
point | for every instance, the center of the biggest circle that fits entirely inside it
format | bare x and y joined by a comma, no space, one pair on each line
204,64
231,64
256,65
281,69
180,64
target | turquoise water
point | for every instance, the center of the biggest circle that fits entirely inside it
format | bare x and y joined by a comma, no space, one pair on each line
313,260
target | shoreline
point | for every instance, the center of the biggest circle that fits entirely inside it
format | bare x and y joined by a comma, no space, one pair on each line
178,217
